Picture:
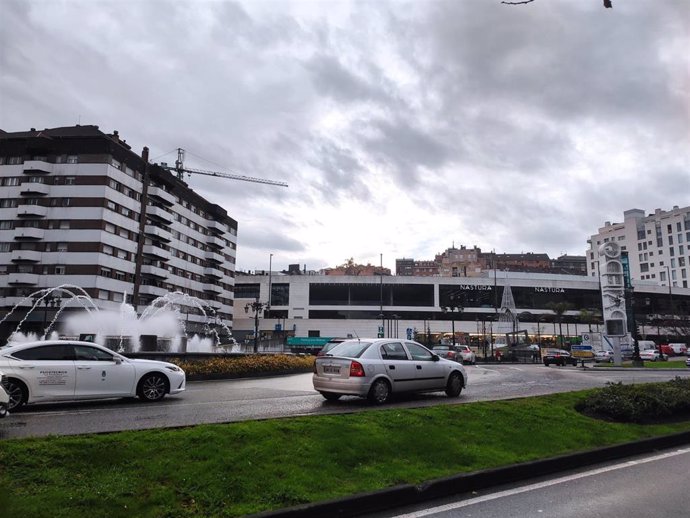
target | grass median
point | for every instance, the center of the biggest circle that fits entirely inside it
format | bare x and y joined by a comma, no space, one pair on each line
242,468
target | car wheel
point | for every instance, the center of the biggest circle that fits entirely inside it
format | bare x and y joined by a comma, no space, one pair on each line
380,392
18,393
454,385
331,396
152,387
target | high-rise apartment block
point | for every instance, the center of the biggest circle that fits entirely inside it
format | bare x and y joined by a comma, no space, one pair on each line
657,245
78,207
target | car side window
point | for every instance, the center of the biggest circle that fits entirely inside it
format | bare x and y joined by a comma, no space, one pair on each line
418,352
393,351
46,353
86,353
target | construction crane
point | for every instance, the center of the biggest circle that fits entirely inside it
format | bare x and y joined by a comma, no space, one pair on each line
179,169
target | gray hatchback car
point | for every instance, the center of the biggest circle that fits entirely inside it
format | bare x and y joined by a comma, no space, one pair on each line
376,368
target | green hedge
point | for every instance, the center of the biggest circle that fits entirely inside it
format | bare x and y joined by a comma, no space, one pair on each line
646,403
247,365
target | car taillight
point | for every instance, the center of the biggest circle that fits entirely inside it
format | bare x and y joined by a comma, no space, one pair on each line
356,370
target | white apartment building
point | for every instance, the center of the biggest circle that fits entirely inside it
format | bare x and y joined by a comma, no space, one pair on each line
657,245
78,207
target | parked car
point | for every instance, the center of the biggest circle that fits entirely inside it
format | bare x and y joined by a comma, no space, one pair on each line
603,357
446,351
376,368
57,370
466,354
687,362
4,398
558,357
652,355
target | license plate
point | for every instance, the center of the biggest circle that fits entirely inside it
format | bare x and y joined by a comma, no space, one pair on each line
331,369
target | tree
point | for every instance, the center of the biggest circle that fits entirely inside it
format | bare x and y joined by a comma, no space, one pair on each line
589,317
559,309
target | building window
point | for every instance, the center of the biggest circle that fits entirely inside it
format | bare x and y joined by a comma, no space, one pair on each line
72,159
59,270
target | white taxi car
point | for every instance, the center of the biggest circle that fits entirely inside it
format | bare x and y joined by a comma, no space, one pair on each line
58,370
4,399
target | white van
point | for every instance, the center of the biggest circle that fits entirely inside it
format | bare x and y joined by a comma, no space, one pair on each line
678,348
645,345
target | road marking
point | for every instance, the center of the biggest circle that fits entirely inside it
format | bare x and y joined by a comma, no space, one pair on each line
539,485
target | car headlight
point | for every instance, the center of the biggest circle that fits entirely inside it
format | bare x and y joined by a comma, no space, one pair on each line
173,368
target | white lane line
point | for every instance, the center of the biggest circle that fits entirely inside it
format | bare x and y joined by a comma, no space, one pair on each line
540,485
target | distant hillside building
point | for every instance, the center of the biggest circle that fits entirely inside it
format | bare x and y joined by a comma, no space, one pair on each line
528,262
570,265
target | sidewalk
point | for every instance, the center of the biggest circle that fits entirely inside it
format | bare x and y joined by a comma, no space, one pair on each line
405,495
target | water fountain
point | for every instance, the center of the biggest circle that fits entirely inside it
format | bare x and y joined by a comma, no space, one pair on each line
159,328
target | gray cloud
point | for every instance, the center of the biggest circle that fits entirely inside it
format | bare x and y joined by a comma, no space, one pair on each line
515,128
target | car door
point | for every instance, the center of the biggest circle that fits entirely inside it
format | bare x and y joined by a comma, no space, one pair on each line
398,366
100,375
431,375
47,370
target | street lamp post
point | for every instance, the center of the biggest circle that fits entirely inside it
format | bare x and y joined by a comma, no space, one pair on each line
452,308
257,307
670,299
47,301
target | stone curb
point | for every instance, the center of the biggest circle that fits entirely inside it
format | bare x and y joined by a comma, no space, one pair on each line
408,494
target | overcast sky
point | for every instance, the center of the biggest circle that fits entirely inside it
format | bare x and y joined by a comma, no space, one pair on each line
400,127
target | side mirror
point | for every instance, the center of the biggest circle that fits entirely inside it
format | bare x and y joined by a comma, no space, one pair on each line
117,360
435,357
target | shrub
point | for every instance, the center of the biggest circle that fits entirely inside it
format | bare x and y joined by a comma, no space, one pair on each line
646,403
238,366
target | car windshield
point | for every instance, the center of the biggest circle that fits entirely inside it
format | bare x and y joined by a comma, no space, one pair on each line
350,349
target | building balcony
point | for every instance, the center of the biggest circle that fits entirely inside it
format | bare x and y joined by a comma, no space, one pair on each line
214,256
25,256
160,233
147,289
216,226
215,242
213,288
156,251
38,166
32,211
34,189
213,271
30,279
161,195
156,271
215,304
21,233
160,214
